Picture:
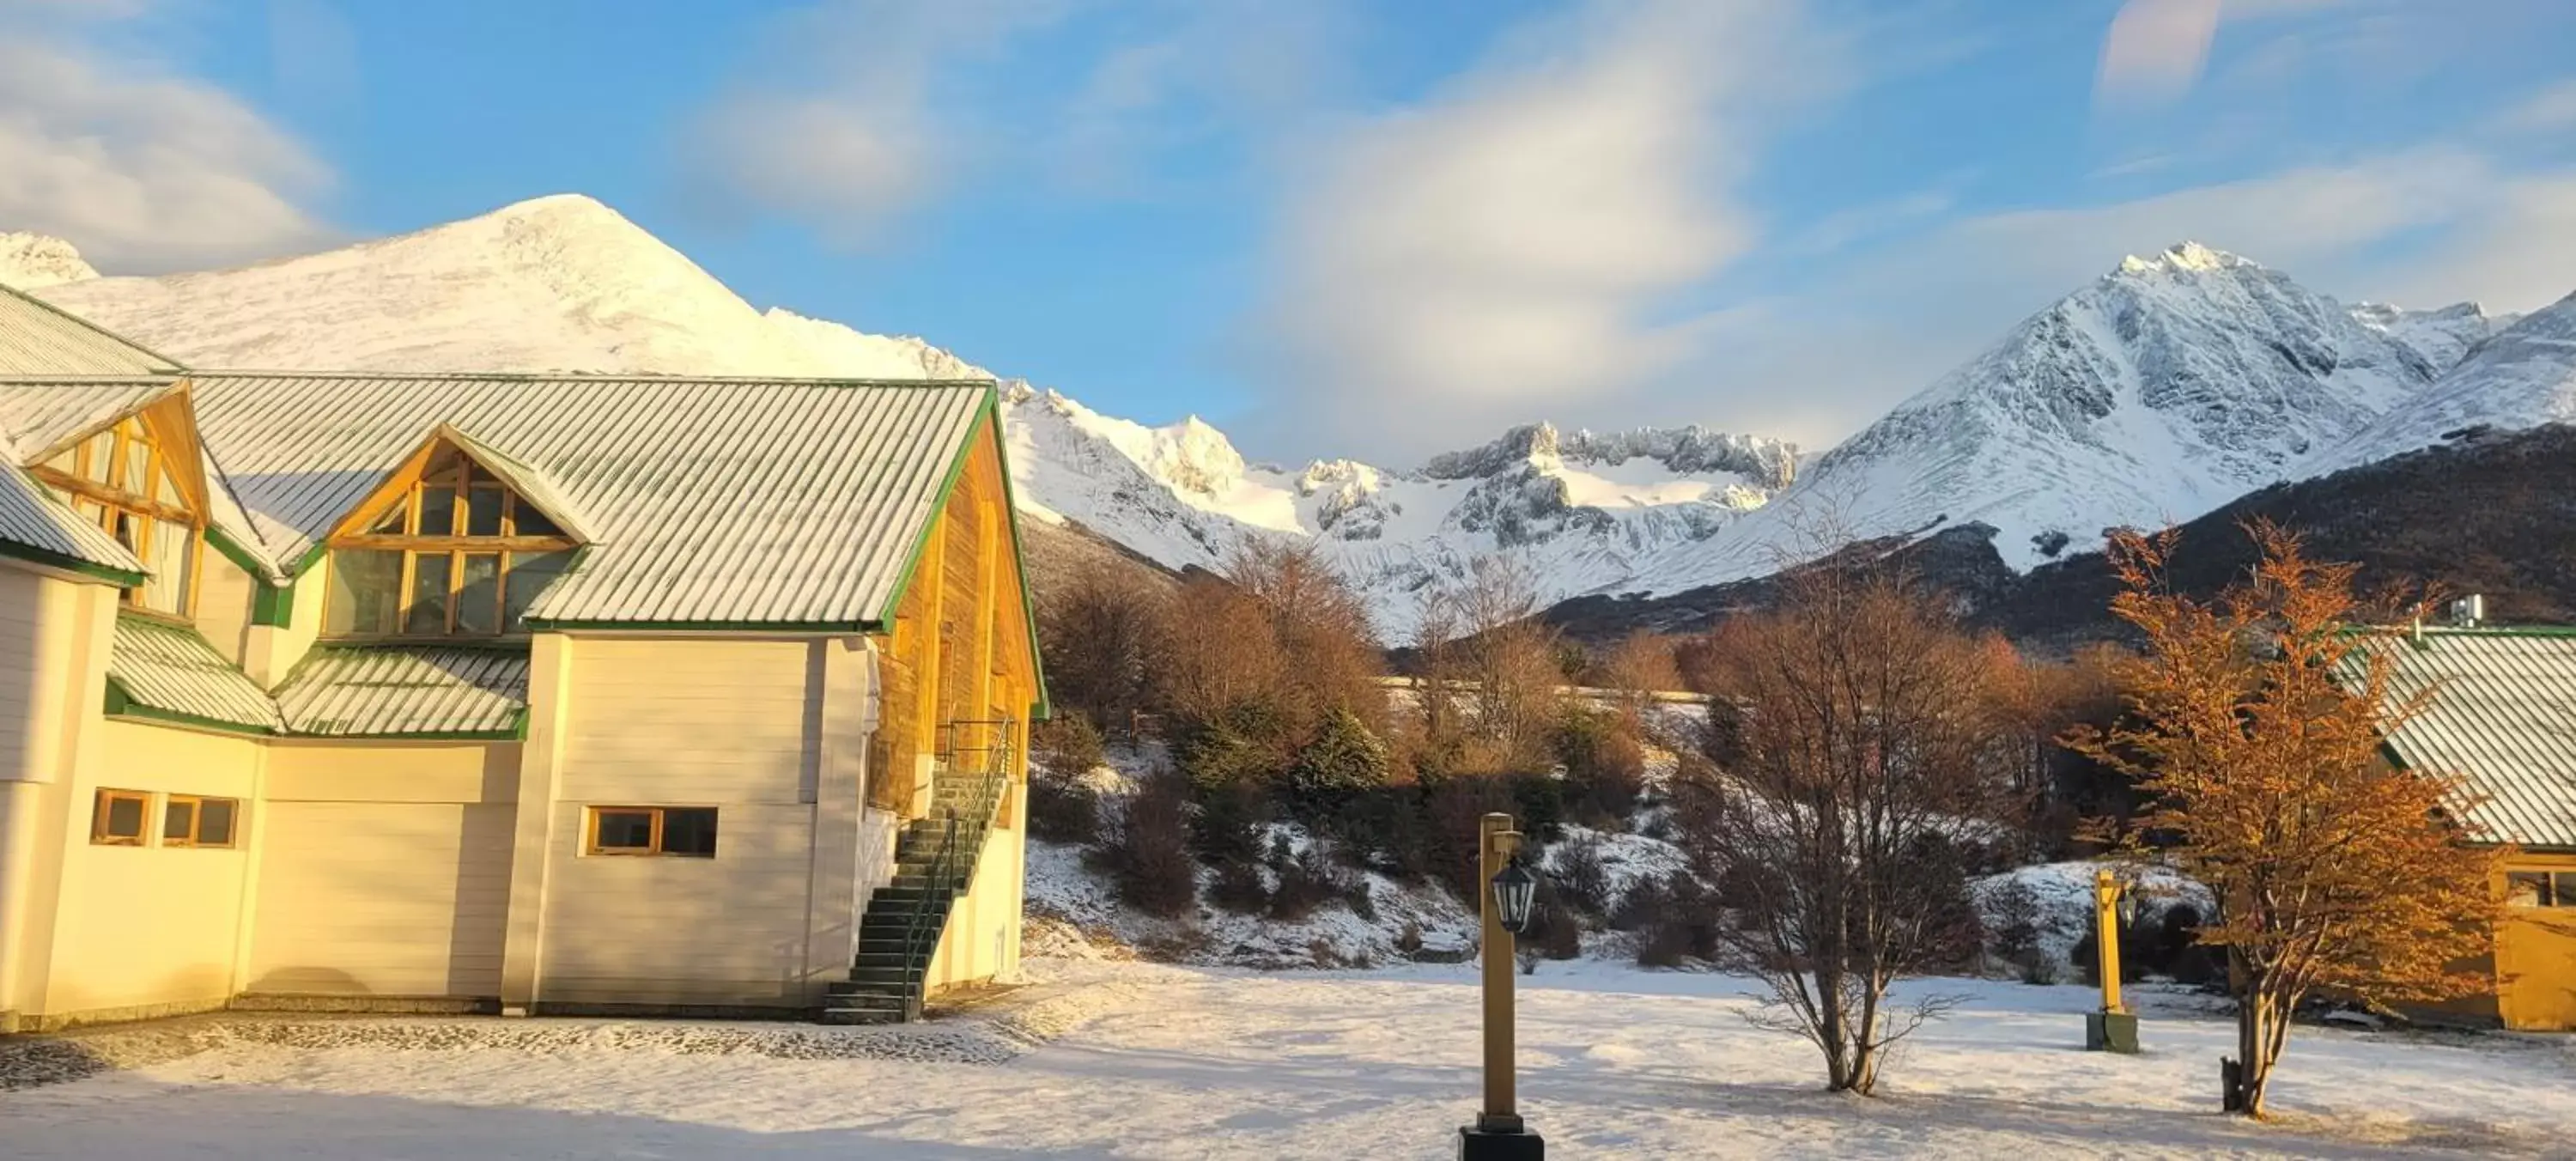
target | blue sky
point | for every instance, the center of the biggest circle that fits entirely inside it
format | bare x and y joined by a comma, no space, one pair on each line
1338,227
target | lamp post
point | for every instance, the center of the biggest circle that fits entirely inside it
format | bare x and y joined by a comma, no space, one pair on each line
2114,1028
1499,1134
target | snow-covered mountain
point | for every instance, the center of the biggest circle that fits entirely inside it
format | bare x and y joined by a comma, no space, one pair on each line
2524,376
558,283
29,261
1580,509
2163,390
2166,388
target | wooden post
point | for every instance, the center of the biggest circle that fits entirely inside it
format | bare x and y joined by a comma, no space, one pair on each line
2106,927
1501,1113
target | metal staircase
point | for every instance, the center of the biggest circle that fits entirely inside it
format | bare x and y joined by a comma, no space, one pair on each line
935,861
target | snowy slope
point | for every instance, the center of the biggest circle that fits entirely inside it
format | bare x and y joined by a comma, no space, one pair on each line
2441,336
2525,376
2166,388
1581,508
555,284
28,261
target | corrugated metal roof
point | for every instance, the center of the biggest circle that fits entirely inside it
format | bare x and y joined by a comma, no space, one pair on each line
41,415
530,483
171,669
37,338
2502,717
737,501
31,517
388,690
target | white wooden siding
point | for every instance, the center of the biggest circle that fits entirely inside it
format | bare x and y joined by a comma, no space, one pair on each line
381,899
224,594
655,721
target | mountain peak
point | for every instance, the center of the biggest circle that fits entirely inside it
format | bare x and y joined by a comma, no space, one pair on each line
28,261
2184,255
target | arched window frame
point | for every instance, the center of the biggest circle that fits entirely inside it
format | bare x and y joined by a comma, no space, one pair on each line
123,476
464,553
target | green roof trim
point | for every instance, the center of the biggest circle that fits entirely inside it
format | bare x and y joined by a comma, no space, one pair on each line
988,422
71,564
272,606
558,626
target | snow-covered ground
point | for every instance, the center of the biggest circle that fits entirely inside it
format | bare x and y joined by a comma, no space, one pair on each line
1185,1062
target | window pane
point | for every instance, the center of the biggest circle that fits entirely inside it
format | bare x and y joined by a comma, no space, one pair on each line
165,487
2563,889
689,832
127,530
529,574
138,467
478,594
2526,889
427,613
483,512
124,818
365,591
215,822
172,545
100,460
527,521
391,523
625,830
437,512
178,821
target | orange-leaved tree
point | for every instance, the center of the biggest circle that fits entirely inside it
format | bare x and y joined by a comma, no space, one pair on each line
2254,734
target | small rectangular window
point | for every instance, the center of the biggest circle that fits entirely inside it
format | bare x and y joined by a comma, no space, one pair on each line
680,831
2528,889
116,820
190,821
2562,889
427,614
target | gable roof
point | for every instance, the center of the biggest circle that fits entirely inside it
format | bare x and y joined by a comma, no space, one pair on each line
36,418
788,503
38,338
2502,717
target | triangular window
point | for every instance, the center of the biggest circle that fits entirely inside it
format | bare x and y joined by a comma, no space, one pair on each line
449,550
125,478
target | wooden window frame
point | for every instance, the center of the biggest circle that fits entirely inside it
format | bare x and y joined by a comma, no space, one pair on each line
459,475
98,836
590,832
146,507
196,822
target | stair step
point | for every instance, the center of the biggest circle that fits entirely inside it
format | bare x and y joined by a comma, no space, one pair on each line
897,987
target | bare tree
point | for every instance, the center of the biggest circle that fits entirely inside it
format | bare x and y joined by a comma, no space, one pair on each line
1859,757
1501,653
1103,636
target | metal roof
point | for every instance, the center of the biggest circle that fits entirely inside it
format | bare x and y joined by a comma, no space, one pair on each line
40,339
40,416
347,691
171,670
2502,717
31,518
726,501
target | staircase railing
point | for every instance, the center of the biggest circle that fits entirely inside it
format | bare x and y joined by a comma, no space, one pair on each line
919,931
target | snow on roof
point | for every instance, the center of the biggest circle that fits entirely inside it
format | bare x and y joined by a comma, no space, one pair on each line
35,418
2502,717
731,501
384,690
40,416
39,339
169,670
37,525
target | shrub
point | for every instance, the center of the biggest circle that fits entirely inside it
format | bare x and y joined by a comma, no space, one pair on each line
2017,918
1307,880
1067,744
1605,766
1579,877
1343,760
1146,851
1227,831
1677,920
1062,807
1242,746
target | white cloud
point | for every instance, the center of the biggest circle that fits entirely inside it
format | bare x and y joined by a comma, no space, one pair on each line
841,127
1512,243
2551,110
2155,50
142,169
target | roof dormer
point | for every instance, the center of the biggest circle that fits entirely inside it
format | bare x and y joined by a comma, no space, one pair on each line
456,542
140,478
